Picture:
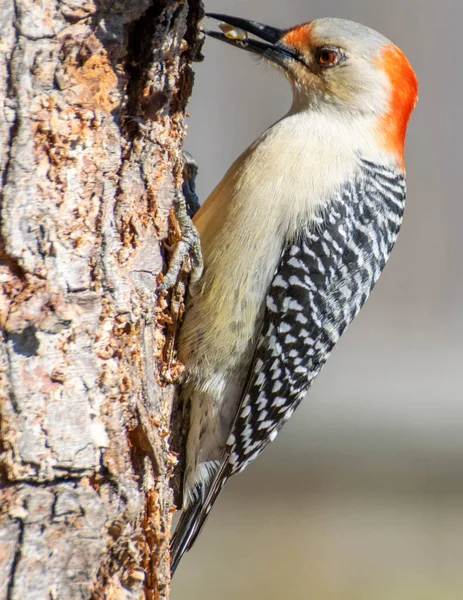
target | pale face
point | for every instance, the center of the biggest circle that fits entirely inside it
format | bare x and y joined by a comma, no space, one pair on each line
336,62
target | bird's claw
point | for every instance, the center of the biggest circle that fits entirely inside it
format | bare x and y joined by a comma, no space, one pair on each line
185,205
188,245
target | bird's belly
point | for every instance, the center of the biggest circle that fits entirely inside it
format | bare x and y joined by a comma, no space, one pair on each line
223,317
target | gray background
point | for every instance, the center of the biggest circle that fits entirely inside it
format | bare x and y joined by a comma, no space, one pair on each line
360,496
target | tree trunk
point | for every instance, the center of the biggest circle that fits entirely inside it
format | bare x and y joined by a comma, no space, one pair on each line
92,99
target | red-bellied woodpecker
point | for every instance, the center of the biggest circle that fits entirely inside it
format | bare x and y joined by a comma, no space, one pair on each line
293,240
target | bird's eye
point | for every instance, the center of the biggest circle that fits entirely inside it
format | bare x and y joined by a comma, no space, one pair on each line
328,57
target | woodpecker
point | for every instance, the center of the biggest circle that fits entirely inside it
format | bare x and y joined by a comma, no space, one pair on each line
293,240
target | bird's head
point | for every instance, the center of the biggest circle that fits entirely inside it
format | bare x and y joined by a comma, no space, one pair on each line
337,65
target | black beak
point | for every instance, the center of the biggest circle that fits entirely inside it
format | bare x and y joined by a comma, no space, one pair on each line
270,48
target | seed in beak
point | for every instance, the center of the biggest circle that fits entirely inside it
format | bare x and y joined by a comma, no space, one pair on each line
233,33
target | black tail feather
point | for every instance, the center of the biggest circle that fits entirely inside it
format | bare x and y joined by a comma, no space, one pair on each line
193,518
185,534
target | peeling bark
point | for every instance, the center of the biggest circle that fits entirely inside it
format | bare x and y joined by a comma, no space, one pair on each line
92,99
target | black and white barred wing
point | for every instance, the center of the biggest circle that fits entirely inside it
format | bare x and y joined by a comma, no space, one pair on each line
300,327
322,281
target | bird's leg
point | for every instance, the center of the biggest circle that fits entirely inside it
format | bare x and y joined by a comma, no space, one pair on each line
190,172
185,205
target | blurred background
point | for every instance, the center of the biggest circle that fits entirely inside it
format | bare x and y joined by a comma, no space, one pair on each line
361,495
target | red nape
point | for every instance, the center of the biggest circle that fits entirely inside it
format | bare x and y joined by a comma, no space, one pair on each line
404,94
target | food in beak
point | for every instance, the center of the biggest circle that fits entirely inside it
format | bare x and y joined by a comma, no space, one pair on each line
233,33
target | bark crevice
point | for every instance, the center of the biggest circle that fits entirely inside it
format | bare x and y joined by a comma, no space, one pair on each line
16,559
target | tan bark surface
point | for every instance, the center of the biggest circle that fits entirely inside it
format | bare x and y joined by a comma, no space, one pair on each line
92,99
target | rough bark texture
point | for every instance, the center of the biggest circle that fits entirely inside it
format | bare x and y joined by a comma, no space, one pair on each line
92,98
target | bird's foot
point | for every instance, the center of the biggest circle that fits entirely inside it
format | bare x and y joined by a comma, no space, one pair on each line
185,205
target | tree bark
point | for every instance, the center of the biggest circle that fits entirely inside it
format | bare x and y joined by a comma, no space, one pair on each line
92,99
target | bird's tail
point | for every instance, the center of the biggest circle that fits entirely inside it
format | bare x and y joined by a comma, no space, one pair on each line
194,516
185,533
